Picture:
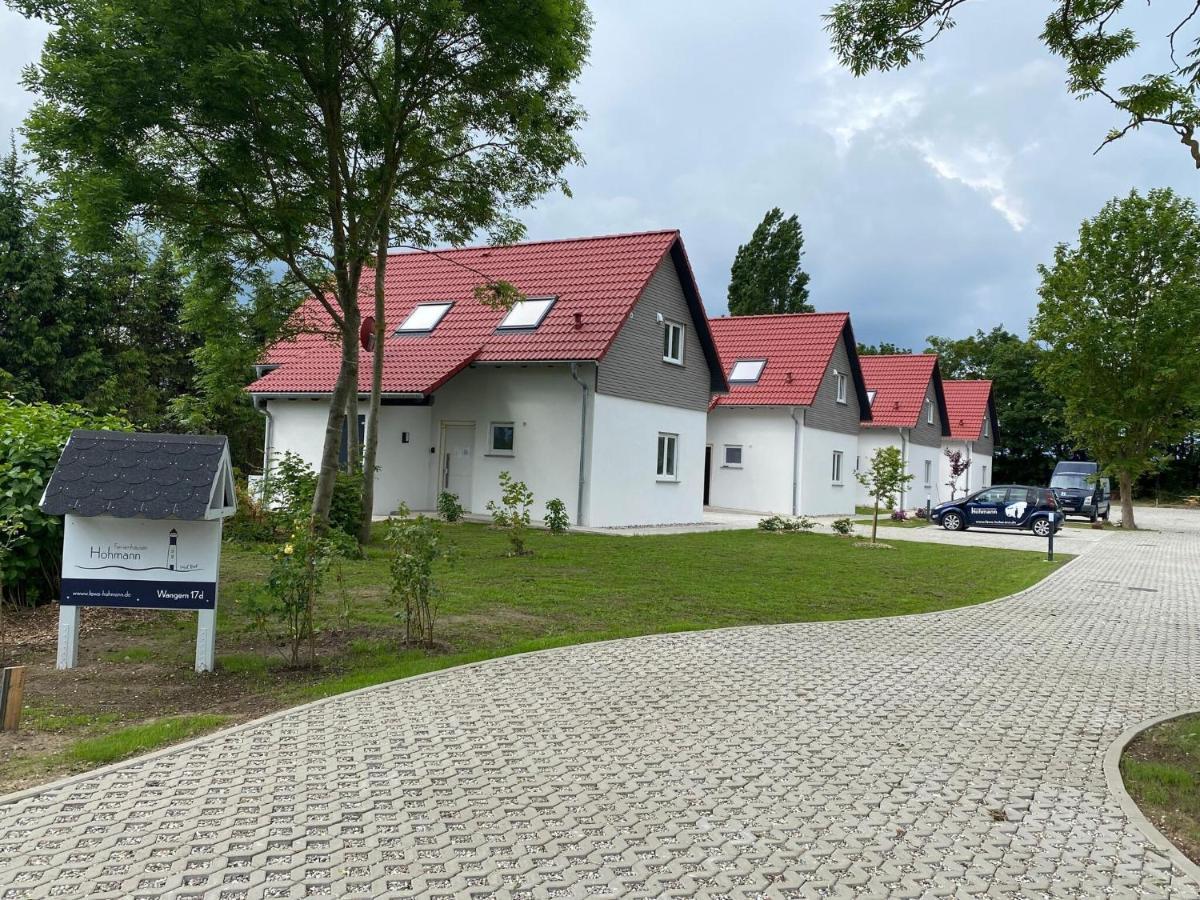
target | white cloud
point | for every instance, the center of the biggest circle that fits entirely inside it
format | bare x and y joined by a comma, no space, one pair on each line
982,169
850,107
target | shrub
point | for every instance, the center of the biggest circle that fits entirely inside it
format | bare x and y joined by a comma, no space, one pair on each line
512,512
844,525
32,437
253,523
289,596
787,524
449,506
922,513
899,515
288,495
557,519
415,545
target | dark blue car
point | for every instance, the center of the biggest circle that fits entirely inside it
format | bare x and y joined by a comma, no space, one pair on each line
1002,506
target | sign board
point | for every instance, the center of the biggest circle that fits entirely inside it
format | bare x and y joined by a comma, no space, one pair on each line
140,563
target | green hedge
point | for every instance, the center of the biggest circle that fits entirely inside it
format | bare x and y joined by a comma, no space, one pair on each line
32,436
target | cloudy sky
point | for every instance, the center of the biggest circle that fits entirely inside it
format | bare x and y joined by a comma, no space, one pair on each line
927,197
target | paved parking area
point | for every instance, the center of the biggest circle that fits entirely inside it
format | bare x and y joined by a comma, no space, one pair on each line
952,754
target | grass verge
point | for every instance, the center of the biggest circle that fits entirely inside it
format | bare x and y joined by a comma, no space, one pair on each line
1161,770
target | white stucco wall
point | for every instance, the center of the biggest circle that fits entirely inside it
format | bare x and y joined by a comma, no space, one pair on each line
763,483
403,476
978,476
625,489
543,403
918,491
819,496
298,426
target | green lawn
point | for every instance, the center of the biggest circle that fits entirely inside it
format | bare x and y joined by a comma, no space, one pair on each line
574,588
1161,770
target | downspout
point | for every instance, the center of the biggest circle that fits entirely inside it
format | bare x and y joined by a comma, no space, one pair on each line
797,456
266,464
582,442
970,459
903,461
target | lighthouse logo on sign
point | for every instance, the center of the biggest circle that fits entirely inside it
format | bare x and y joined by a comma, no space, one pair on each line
173,550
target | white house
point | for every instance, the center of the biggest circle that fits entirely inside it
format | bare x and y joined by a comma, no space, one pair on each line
593,390
971,413
908,411
784,439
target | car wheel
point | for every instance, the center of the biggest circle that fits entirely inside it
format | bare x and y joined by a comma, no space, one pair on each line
1106,514
952,521
1041,527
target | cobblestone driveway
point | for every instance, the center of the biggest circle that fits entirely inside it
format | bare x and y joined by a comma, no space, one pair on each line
949,754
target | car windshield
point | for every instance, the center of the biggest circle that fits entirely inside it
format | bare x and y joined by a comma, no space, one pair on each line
1070,480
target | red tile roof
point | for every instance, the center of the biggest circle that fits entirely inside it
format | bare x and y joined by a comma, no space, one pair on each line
797,348
899,382
598,278
967,402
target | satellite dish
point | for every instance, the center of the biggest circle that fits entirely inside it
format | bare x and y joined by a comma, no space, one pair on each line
366,334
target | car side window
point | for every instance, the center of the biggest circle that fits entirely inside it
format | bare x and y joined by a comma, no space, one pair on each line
995,495
1023,495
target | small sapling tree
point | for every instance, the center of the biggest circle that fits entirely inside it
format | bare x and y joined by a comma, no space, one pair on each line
512,512
958,465
416,544
557,519
885,479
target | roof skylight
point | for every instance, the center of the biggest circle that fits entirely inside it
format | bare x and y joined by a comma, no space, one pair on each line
871,398
527,313
747,371
424,318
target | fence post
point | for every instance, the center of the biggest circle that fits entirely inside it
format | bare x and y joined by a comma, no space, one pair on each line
12,690
1050,545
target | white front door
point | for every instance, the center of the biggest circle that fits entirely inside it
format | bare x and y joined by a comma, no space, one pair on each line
458,448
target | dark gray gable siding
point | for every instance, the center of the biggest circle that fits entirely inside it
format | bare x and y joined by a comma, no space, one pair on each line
826,413
986,445
633,367
126,475
925,434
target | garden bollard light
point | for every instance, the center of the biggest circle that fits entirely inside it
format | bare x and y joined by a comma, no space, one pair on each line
1050,544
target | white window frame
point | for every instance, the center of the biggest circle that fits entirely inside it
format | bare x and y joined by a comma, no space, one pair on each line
741,456
668,328
983,476
493,450
928,410
987,426
840,381
404,327
663,471
540,308
756,365
837,467
928,473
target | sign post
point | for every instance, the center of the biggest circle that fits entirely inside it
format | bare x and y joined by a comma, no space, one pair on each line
143,516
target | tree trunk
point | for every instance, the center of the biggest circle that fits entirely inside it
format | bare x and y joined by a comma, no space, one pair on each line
875,521
372,438
1126,481
353,448
347,381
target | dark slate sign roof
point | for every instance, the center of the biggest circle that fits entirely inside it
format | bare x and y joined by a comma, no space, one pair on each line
151,476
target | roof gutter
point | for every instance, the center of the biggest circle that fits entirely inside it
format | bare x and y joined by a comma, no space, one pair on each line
582,441
318,395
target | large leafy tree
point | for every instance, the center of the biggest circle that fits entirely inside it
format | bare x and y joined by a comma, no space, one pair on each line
43,331
290,131
766,276
1089,35
230,311
1120,316
1031,435
883,348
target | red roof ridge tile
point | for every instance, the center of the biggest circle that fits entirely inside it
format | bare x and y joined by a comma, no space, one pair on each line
437,251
